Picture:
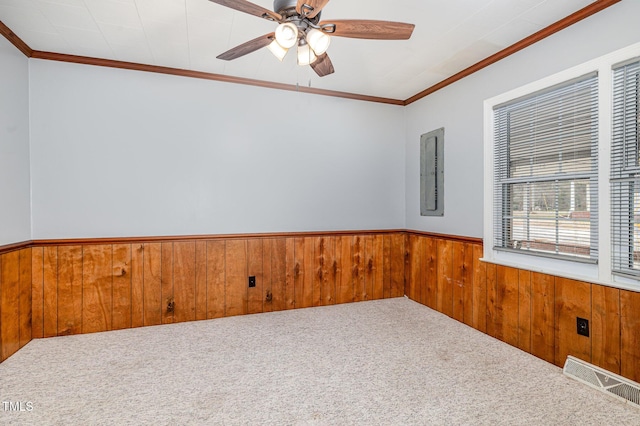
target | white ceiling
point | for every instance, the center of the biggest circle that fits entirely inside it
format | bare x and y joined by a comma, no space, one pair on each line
450,35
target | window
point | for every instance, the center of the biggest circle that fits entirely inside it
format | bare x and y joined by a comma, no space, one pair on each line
546,172
562,173
625,169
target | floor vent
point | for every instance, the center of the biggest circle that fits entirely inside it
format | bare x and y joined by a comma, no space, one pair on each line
603,380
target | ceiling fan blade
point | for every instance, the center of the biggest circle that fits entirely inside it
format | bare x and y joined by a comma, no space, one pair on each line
248,47
310,7
250,8
377,30
323,66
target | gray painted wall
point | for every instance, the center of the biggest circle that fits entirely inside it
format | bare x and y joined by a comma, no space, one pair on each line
15,204
459,109
125,153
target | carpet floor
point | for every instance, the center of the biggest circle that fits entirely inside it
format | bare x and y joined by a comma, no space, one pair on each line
387,362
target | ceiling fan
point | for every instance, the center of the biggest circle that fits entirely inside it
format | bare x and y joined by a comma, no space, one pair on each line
300,25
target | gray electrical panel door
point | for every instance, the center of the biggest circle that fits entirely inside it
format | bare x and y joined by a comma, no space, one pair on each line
432,173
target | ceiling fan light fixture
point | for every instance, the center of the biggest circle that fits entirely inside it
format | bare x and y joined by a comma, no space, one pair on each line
277,50
318,41
306,56
287,35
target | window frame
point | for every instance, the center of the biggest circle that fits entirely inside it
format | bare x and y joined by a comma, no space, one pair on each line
504,219
600,273
626,173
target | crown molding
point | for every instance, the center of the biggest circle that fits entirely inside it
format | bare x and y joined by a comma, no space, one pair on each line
15,40
207,76
578,16
522,44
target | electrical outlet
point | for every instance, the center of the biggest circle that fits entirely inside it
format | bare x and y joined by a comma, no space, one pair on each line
252,281
582,326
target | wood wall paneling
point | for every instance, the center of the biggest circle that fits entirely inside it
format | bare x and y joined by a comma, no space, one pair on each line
377,262
37,292
152,283
344,274
413,271
267,266
97,287
236,277
430,273
184,281
369,267
137,285
281,298
397,265
479,321
467,275
50,292
572,300
255,268
122,277
216,278
505,305
9,304
421,284
386,266
324,286
605,327
463,282
201,280
290,273
524,310
492,296
15,301
70,290
1,318
63,289
303,272
630,334
357,268
543,316
25,296
166,283
457,281
444,298
319,271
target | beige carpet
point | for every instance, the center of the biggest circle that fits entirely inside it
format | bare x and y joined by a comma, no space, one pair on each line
388,362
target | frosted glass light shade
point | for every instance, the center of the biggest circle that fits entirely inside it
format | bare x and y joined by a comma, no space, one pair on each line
318,41
277,50
287,35
306,55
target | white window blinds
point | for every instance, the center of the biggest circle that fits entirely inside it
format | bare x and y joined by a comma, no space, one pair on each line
545,172
625,169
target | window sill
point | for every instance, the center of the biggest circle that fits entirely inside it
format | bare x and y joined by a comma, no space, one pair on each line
627,284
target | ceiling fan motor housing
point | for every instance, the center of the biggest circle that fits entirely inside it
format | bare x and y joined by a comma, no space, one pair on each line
282,5
287,8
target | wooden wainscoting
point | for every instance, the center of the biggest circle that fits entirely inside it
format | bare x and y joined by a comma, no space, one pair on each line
534,312
15,301
86,288
53,288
